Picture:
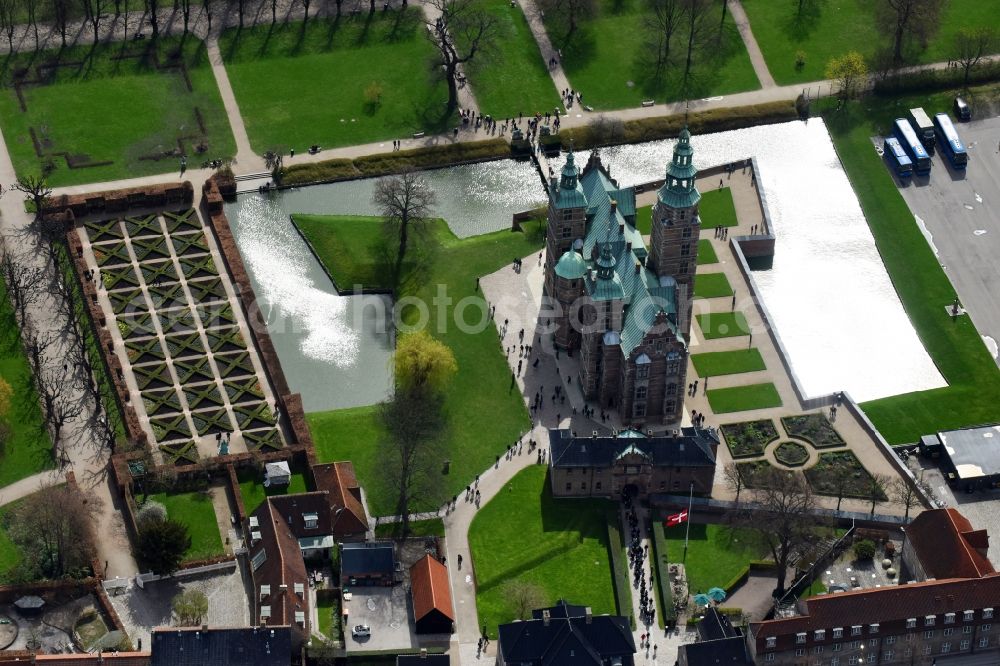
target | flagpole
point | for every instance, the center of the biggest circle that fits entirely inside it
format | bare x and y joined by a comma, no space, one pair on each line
687,529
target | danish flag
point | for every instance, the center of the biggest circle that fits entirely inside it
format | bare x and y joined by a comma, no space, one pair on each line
676,519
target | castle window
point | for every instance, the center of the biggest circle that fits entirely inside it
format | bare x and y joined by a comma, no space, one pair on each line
673,367
673,182
658,346
640,408
671,405
640,392
642,371
566,232
567,215
684,183
686,233
683,268
597,486
686,250
671,389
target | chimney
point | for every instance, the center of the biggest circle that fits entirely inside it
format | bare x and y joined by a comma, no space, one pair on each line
545,618
638,268
628,246
588,614
204,627
621,229
614,207
423,653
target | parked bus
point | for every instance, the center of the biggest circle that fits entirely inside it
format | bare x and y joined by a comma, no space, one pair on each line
924,128
951,146
903,131
898,158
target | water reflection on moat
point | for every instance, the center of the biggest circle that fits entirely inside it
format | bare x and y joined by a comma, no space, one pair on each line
827,291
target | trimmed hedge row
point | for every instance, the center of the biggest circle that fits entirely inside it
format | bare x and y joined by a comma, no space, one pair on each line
667,614
616,547
385,163
926,80
604,131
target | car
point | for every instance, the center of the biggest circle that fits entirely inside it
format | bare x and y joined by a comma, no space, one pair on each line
962,110
361,631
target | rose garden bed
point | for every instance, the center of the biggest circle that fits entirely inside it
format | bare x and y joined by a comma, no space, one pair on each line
791,454
814,428
748,438
824,475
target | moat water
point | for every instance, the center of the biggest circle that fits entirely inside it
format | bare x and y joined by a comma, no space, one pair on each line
827,291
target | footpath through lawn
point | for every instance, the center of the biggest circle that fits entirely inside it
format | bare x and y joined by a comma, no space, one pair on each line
336,82
526,536
973,392
484,416
114,111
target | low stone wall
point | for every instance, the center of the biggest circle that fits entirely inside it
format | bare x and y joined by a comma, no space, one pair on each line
120,201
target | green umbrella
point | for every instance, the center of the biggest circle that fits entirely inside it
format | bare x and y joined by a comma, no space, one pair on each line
717,594
702,599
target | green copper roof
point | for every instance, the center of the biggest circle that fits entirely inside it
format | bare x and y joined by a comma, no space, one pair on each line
632,434
571,266
679,189
567,192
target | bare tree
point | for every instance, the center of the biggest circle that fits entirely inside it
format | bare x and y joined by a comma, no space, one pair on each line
9,10
904,493
523,597
734,479
93,11
409,450
31,10
59,405
695,14
666,20
274,11
52,529
459,21
36,345
305,8
153,8
186,14
36,189
784,517
877,486
273,161
60,17
906,21
569,13
25,282
972,45
406,203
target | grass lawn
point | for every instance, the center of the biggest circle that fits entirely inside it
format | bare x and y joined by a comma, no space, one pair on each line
716,209
328,615
712,285
299,84
955,346
716,553
482,383
825,30
743,398
515,79
607,58
735,362
706,253
97,106
29,450
722,325
418,528
253,491
196,511
526,535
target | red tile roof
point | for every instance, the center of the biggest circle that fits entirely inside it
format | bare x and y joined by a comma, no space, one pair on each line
948,546
885,605
339,481
282,569
430,588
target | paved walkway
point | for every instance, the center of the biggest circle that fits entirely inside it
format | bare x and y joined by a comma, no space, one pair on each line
756,56
549,53
30,484
246,161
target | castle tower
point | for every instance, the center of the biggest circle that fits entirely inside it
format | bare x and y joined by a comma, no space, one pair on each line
676,228
564,265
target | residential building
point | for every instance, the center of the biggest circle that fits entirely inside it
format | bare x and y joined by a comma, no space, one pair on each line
606,465
367,563
212,646
430,591
625,311
970,457
719,644
566,635
941,543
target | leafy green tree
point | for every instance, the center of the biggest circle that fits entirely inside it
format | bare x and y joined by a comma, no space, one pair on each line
161,545
864,550
849,71
190,606
423,363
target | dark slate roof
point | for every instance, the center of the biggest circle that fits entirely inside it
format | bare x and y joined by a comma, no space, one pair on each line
692,448
366,558
562,608
975,452
573,641
270,646
714,626
423,660
723,652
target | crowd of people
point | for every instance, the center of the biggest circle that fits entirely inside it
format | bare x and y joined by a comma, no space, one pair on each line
637,555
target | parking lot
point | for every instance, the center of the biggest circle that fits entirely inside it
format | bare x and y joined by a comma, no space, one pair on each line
960,213
387,611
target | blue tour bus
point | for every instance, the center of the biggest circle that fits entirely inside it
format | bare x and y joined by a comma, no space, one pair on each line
951,146
903,131
898,158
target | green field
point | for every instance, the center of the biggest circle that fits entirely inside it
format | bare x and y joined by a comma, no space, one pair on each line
607,58
302,84
712,285
253,491
119,106
706,253
824,30
524,534
743,398
735,362
715,555
482,384
716,209
955,346
722,325
514,79
195,510
29,450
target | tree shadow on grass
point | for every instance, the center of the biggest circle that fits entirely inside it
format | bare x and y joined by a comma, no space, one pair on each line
800,24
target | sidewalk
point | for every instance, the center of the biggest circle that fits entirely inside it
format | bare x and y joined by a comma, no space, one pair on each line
750,42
